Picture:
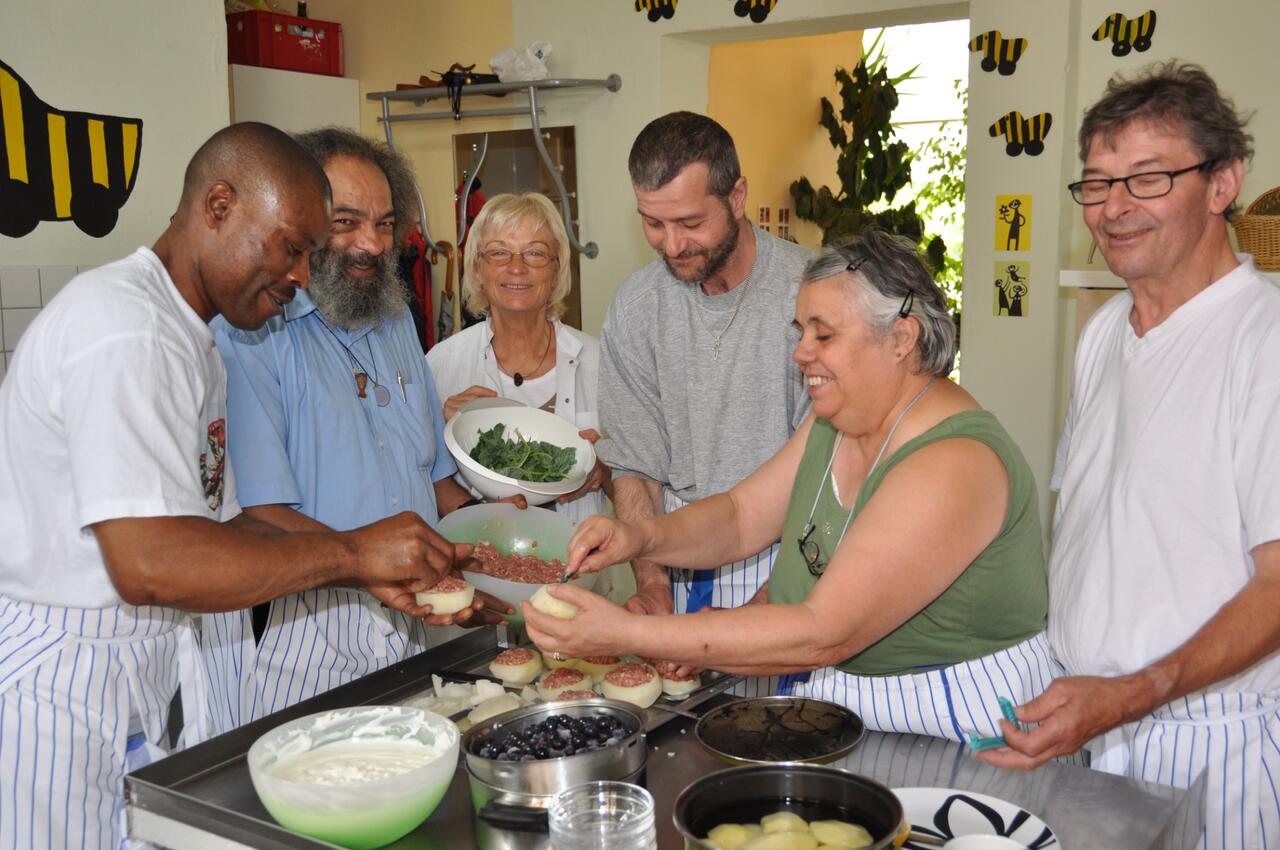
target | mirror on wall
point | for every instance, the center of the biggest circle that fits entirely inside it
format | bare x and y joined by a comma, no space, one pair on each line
511,164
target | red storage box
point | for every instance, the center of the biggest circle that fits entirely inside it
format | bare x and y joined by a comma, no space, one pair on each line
269,40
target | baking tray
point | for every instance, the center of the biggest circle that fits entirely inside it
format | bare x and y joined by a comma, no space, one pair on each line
666,709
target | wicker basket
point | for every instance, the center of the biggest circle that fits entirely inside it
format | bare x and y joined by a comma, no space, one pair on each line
1258,230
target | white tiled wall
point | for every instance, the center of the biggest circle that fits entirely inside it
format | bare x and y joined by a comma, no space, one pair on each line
24,290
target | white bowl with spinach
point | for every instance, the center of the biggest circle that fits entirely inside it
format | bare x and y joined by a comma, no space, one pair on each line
504,451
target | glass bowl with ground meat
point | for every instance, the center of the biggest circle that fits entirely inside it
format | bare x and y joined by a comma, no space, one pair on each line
519,551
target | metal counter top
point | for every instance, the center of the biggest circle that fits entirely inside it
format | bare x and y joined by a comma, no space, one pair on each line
202,797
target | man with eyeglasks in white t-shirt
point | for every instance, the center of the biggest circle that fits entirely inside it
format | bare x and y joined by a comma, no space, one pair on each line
1164,575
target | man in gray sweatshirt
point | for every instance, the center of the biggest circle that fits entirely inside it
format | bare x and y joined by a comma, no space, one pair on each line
697,385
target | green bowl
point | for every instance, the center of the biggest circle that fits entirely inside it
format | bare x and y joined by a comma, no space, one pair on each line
538,532
359,815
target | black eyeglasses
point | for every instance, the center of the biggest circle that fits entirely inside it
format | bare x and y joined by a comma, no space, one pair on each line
810,552
1144,186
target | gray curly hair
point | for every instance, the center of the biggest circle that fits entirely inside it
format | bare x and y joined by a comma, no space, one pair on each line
888,268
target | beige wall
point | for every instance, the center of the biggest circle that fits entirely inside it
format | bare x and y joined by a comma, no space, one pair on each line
396,41
157,60
767,95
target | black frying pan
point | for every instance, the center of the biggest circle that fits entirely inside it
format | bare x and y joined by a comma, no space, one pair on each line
762,730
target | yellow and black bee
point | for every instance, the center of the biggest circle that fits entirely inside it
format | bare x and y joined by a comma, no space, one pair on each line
757,9
1022,134
57,165
998,52
1127,33
657,8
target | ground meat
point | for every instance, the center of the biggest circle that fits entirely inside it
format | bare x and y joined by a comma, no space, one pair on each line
448,584
563,695
563,676
524,569
602,659
513,657
670,676
630,675
664,668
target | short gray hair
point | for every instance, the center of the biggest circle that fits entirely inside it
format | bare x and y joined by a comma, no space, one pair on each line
1178,97
506,212
888,268
671,143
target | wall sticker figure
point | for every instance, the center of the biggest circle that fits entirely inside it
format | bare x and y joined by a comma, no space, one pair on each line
1013,222
1127,33
998,53
57,165
1012,289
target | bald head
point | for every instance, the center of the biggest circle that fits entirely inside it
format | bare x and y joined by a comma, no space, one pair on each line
256,161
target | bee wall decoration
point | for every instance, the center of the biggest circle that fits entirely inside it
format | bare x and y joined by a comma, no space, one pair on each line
998,52
757,10
58,165
1022,134
657,9
1127,33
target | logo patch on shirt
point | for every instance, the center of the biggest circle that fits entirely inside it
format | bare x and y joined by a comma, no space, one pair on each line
213,463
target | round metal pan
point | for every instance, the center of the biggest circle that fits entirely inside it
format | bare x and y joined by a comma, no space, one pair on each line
765,730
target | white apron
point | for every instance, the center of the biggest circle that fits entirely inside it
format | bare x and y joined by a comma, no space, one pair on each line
70,679
727,586
314,641
1233,738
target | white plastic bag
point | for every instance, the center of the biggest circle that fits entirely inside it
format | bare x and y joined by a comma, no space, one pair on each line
529,64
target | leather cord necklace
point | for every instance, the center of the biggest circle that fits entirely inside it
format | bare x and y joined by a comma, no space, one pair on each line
518,378
381,394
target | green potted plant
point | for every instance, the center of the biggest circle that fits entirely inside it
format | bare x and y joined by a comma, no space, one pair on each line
871,165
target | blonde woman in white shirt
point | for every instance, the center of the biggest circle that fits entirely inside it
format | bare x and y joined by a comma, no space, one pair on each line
517,276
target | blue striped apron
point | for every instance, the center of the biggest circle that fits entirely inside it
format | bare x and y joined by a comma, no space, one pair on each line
70,681
948,702
1233,738
314,641
727,586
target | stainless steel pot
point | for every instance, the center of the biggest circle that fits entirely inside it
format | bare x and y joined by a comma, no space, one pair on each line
511,798
746,794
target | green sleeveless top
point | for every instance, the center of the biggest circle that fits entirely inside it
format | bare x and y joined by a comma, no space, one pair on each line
1001,599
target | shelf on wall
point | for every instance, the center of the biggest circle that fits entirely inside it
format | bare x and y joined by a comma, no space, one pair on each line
530,88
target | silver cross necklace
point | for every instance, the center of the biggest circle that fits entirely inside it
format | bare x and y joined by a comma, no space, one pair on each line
715,345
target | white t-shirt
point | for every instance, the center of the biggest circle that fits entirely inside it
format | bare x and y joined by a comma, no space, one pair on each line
114,406
1169,475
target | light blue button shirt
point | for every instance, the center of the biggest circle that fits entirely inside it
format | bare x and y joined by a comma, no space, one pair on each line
300,435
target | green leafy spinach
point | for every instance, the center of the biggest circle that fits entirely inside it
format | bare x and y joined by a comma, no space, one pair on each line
522,458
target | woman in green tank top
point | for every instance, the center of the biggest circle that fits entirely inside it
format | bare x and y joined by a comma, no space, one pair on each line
911,581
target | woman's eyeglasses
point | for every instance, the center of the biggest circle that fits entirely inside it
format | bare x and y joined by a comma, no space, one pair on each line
534,258
810,552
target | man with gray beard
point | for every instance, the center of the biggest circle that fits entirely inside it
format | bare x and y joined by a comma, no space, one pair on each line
333,422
